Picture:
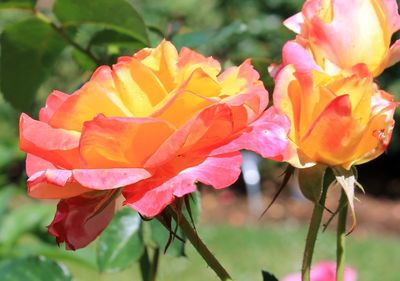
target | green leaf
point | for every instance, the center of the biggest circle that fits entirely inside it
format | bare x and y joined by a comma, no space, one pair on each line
84,62
192,39
120,244
18,4
6,193
33,269
215,37
311,181
111,37
28,52
119,15
22,220
33,247
268,276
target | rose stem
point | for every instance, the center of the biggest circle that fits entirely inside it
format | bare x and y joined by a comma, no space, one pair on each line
341,238
201,248
148,268
313,233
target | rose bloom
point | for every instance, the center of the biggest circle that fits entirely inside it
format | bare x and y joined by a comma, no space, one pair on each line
341,120
342,33
150,127
324,271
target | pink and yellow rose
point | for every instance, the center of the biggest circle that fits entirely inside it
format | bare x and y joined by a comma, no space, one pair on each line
340,120
150,127
339,34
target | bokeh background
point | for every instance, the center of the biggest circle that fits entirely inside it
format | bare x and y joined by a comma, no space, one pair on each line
33,62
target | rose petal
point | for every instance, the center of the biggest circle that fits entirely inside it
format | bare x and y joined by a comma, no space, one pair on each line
190,60
79,220
53,102
242,80
394,54
181,107
205,130
163,61
347,32
54,184
121,142
294,53
35,164
202,84
266,136
391,11
376,136
98,95
57,146
324,144
295,22
103,179
57,184
285,102
138,86
150,197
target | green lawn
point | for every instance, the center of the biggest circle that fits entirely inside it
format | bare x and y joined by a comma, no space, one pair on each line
245,251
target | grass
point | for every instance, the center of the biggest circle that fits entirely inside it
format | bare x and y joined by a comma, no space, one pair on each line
246,251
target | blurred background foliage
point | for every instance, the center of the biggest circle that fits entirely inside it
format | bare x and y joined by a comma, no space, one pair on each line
57,44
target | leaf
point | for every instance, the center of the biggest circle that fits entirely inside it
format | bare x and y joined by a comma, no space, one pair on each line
268,276
348,181
119,15
6,193
28,52
33,269
111,37
215,37
83,257
12,16
22,220
192,39
311,181
20,4
120,244
84,62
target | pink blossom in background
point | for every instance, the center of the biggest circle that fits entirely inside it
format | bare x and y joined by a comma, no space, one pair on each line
324,271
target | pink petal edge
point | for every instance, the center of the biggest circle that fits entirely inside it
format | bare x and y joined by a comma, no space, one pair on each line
150,197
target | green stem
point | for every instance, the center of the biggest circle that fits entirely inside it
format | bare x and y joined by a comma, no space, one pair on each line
149,267
341,238
201,248
61,32
312,234
145,264
154,269
84,51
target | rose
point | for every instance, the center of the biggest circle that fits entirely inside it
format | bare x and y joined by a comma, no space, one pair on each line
342,33
150,127
341,120
324,271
